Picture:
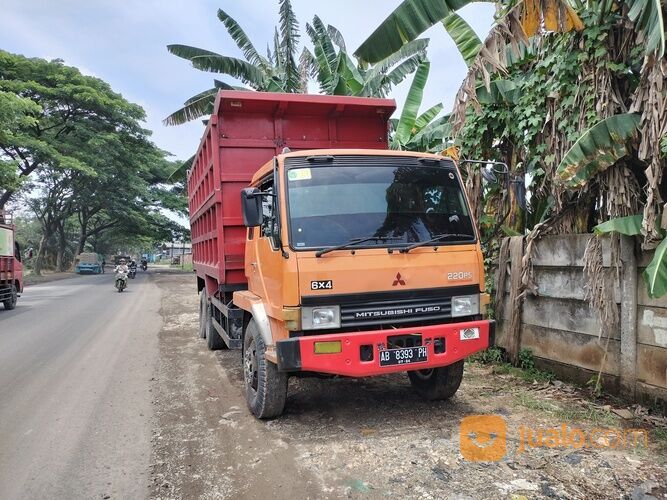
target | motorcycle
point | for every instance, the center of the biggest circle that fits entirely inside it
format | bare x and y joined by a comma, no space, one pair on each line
133,272
144,266
121,281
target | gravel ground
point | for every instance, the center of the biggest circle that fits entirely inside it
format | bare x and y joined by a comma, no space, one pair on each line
372,438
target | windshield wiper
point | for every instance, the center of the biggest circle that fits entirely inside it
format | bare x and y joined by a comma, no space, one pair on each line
439,237
355,241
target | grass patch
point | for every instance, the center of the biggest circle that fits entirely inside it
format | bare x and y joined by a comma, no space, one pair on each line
532,403
660,436
526,370
185,267
569,413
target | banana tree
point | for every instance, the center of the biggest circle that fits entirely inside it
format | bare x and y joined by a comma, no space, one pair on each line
337,74
412,17
278,71
414,131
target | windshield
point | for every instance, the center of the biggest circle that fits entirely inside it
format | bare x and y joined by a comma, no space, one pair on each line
330,205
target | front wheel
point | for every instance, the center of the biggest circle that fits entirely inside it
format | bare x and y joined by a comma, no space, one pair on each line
10,303
265,386
437,383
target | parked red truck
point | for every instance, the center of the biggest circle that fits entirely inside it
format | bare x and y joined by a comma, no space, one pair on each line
320,251
11,268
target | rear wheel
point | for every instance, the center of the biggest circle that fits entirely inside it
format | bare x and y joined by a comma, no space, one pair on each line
10,303
437,383
213,339
265,386
204,316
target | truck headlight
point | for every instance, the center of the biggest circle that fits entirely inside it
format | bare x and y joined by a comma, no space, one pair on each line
465,305
318,318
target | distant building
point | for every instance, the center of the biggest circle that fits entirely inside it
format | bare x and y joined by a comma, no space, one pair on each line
170,250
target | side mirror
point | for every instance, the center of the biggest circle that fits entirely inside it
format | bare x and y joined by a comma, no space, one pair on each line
251,207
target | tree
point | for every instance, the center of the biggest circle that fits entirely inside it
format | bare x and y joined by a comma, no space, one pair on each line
48,102
276,72
77,153
414,131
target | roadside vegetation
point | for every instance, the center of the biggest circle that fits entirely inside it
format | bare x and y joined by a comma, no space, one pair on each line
76,165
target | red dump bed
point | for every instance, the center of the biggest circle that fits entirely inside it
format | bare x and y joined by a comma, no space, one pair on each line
245,131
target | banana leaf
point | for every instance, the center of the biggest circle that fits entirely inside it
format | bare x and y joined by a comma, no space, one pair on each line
409,20
464,37
647,16
413,101
598,148
630,226
655,274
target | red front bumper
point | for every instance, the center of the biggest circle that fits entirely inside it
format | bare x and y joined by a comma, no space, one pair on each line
298,354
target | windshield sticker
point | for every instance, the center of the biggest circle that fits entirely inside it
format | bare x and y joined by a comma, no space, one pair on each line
299,174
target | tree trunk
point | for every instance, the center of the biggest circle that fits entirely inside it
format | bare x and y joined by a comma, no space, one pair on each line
39,259
61,248
83,235
4,198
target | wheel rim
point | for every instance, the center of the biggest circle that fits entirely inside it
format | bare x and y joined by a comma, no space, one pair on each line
250,366
424,374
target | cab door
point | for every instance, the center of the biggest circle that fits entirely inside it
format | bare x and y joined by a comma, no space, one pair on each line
266,262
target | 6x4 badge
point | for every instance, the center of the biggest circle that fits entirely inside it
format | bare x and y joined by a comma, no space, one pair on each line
321,285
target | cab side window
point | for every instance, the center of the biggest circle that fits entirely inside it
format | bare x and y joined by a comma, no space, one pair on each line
269,227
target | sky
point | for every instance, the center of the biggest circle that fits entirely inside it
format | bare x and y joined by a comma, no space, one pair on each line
124,43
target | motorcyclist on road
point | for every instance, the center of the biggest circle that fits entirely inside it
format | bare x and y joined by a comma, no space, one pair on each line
122,267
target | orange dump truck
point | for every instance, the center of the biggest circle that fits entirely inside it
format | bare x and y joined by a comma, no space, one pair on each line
11,268
320,251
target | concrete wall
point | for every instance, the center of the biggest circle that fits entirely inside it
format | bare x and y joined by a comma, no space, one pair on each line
563,330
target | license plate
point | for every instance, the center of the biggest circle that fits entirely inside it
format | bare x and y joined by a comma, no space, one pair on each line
404,356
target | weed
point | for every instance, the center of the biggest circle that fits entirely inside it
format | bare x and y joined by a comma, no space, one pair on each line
526,360
595,383
492,355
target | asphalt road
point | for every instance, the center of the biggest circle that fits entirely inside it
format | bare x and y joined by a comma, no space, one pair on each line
76,359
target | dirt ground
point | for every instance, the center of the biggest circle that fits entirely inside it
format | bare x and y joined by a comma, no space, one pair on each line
374,438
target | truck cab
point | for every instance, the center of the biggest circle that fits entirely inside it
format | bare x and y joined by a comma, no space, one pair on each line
11,267
360,263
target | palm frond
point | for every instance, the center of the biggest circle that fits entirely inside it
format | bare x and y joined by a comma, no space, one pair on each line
376,75
289,30
195,107
307,68
238,68
336,37
241,39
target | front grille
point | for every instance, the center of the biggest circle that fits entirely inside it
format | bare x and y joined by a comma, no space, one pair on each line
392,308
390,311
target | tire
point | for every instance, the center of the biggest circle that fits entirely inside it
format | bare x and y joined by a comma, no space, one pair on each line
213,339
203,314
265,386
10,303
437,383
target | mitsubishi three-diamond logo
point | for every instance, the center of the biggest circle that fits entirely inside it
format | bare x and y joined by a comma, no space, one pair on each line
399,280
